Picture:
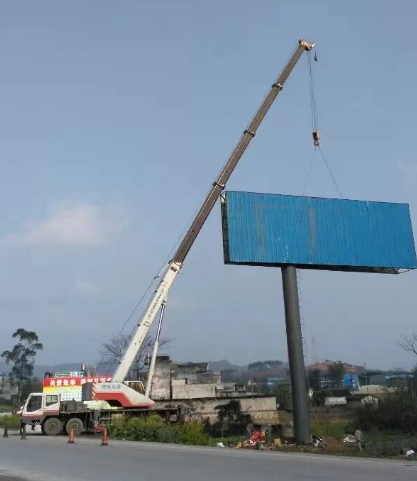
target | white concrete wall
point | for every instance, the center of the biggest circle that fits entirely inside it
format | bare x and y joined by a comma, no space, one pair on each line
335,401
262,409
194,391
160,383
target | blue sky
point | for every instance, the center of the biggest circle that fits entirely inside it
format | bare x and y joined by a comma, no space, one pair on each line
114,121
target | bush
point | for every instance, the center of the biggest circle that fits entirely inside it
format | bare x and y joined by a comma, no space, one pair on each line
395,412
11,422
153,429
6,406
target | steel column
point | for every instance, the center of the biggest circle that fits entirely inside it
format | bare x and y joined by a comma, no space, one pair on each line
295,355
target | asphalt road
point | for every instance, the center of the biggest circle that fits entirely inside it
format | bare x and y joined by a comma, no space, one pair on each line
45,458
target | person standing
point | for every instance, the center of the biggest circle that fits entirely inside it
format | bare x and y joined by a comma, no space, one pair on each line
358,438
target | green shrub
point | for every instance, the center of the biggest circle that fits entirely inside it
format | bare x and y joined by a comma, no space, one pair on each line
168,434
153,429
193,433
11,422
397,411
6,406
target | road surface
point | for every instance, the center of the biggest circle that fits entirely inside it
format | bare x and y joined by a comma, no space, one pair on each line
46,458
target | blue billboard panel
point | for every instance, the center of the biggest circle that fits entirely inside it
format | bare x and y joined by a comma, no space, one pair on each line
316,233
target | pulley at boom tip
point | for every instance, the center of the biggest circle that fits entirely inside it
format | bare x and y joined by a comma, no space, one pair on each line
308,45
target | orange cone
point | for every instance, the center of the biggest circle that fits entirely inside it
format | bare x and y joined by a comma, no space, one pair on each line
104,437
71,438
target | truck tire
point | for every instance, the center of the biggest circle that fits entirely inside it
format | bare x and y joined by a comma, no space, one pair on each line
76,424
51,426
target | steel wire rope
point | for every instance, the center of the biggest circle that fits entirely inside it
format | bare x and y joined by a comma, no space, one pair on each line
315,125
316,137
144,295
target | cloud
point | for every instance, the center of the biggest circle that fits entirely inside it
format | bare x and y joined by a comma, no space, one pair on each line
86,288
70,223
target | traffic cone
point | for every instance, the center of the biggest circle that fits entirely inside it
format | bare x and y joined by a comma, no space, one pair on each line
71,438
23,432
104,437
6,432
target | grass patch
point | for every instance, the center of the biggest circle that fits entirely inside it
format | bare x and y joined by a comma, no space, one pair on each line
388,444
331,428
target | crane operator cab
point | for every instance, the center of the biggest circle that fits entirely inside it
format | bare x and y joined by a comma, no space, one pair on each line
34,403
37,406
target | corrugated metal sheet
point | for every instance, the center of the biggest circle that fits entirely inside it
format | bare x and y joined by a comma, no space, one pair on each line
317,233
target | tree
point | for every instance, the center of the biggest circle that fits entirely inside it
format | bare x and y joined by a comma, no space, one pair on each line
33,385
265,365
319,397
336,372
314,380
283,395
114,349
230,415
409,343
22,358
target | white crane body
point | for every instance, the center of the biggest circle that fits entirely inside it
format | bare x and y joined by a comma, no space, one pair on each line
117,393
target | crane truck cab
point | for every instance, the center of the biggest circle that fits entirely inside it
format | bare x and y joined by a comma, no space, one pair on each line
54,415
38,408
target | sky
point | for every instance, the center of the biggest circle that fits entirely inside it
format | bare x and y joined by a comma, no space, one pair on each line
116,118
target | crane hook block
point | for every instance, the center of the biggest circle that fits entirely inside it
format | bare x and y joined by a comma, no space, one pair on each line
316,138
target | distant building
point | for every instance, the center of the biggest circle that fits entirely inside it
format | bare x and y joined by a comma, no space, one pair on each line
273,381
336,397
398,380
372,377
196,386
374,389
388,379
357,400
324,367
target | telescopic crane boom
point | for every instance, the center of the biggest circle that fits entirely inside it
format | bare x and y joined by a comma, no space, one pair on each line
178,259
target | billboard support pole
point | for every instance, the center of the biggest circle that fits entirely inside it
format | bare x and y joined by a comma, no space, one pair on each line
295,355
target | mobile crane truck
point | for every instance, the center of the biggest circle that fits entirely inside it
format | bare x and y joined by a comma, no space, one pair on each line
100,401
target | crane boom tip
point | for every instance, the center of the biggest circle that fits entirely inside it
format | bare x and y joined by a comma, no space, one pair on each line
307,45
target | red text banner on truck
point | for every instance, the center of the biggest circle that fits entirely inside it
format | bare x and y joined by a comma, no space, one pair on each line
70,388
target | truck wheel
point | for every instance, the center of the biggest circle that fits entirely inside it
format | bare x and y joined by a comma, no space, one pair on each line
52,427
76,424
